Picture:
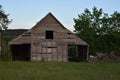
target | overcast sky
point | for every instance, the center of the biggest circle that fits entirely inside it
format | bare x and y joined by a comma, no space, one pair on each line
25,13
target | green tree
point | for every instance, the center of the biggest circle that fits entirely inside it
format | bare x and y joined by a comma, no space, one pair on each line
111,33
101,31
114,22
4,21
87,26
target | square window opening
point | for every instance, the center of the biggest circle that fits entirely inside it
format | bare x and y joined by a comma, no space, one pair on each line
49,34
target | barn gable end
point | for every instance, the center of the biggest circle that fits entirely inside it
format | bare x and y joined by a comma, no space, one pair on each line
49,40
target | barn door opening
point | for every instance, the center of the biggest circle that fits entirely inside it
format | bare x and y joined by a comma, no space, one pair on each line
77,53
73,53
21,52
83,52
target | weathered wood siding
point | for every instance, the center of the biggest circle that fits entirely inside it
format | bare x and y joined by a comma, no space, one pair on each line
49,51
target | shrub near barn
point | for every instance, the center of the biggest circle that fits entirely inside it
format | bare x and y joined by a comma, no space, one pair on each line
8,35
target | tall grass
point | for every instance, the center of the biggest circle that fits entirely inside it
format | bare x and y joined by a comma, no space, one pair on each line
59,71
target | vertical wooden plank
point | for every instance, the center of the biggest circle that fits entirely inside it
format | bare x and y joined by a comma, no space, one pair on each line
52,52
46,51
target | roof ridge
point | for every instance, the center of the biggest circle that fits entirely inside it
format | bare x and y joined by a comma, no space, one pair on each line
44,18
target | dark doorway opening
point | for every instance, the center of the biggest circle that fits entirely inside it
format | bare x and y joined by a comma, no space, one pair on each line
83,52
77,53
21,52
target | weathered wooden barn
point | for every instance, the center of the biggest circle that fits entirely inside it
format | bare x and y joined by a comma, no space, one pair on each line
49,40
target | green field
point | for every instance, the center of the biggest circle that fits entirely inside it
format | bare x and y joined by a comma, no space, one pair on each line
59,71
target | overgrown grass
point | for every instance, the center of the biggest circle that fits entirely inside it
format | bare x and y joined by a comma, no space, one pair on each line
59,71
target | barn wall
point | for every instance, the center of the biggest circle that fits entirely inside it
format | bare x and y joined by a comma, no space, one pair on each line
49,51
55,49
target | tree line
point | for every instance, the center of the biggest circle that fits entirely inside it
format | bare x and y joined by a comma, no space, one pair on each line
100,30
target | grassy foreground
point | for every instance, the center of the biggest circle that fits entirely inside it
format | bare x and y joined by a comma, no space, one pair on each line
59,71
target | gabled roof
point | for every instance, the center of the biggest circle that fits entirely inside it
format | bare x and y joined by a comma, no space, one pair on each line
26,37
